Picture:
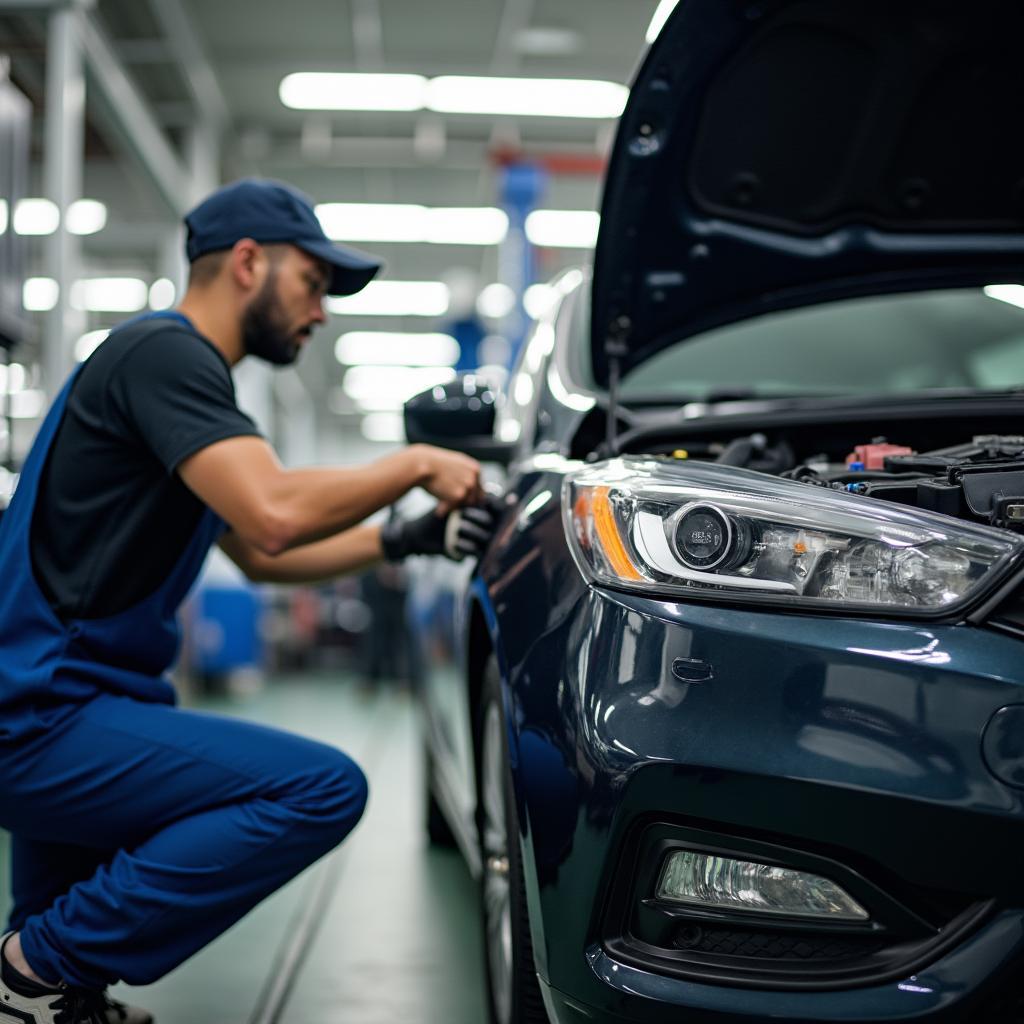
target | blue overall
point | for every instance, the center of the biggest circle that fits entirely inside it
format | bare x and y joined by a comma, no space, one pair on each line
140,831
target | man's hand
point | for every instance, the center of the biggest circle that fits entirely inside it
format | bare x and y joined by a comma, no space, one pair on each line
451,477
461,533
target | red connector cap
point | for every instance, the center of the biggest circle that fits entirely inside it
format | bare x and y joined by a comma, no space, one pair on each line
873,455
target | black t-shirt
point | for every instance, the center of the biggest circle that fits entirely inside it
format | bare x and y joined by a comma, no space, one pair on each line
113,517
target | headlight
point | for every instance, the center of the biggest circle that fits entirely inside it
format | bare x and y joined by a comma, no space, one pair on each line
701,530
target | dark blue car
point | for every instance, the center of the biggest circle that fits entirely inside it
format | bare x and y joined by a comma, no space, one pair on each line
729,720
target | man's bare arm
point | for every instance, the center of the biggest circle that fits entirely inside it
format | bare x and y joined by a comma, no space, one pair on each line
274,509
345,552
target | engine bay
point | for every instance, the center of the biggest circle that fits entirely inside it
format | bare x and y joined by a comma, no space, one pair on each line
981,480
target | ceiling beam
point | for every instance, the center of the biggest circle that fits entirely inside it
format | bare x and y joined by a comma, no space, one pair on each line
135,126
190,56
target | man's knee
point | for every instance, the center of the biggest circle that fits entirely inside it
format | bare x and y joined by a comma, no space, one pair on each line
349,791
334,795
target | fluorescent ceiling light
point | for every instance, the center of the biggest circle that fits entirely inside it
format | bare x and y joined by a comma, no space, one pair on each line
539,300
394,298
110,294
3,216
86,217
27,405
41,217
39,294
383,426
568,229
161,294
88,343
13,378
396,349
351,91
406,222
496,301
454,94
382,388
1011,293
36,217
527,97
466,225
665,8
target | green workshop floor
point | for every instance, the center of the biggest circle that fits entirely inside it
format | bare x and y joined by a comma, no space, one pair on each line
384,931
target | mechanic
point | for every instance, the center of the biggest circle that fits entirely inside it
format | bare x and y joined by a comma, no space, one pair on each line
141,831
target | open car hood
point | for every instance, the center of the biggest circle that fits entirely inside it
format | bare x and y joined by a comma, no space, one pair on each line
778,153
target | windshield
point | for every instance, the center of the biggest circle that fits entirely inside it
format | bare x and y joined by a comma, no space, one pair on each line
967,338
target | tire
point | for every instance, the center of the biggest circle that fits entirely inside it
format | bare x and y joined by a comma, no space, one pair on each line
439,832
513,990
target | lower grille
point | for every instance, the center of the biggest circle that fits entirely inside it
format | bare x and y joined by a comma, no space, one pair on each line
772,945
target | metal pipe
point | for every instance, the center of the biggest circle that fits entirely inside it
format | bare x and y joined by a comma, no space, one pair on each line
62,176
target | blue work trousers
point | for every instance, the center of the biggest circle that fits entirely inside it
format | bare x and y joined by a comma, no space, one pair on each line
142,831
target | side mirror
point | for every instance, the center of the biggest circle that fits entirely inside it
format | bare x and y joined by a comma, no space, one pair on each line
460,416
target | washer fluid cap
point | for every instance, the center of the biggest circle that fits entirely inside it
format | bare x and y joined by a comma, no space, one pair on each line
1003,745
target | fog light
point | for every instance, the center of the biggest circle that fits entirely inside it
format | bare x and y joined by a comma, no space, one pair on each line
720,883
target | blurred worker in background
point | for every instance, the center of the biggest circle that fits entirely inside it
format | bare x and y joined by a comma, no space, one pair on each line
141,831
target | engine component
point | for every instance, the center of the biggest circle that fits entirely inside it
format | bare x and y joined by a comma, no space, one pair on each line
872,456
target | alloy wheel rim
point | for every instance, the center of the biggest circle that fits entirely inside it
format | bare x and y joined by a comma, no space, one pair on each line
497,888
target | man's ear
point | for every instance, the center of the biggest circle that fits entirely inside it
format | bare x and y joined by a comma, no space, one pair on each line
248,264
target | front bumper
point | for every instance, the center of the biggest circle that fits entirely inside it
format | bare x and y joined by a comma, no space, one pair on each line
855,740
984,965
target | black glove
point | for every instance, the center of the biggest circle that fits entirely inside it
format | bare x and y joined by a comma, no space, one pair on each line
463,532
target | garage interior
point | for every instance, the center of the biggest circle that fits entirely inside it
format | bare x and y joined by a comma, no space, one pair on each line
126,113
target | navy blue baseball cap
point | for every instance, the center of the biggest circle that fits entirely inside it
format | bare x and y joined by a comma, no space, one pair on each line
271,211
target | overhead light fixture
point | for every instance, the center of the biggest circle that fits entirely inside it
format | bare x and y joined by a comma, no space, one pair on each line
496,301
161,294
566,229
383,426
109,294
394,298
35,217
466,225
539,299
665,8
3,216
86,217
391,348
407,222
454,94
39,294
13,378
526,97
383,388
316,90
88,343
27,405
42,217
1011,293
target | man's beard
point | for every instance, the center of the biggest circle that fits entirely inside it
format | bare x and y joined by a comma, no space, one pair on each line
264,331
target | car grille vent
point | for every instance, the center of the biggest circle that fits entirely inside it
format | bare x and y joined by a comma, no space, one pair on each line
772,945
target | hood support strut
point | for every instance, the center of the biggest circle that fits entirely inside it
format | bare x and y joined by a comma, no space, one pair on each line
616,349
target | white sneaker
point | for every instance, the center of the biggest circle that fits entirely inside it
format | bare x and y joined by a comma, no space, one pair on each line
32,1003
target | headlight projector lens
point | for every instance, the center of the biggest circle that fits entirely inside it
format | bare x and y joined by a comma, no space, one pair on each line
706,538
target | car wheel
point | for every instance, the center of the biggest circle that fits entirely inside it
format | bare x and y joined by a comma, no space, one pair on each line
439,832
511,978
